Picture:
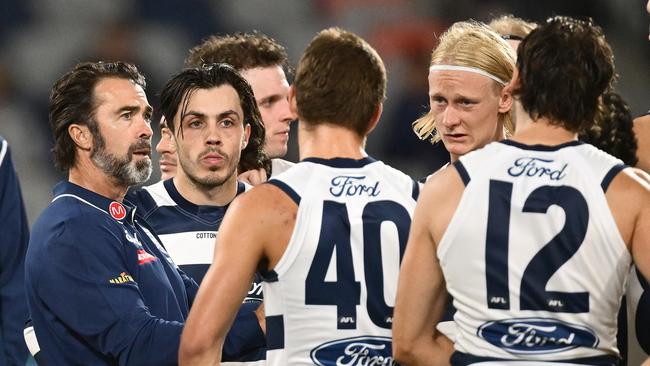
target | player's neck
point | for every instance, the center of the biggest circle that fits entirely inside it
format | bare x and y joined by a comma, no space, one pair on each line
87,175
219,195
329,141
539,131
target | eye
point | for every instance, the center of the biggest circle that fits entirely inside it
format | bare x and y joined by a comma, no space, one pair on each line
466,102
195,123
126,115
227,122
437,101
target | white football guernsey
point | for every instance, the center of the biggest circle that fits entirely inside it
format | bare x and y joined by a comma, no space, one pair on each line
533,258
330,298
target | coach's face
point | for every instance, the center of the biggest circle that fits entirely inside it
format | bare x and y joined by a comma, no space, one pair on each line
122,131
210,136
466,109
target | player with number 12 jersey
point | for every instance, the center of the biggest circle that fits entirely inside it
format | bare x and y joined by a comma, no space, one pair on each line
333,291
545,262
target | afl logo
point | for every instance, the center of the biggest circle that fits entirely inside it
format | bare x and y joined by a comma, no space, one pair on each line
117,210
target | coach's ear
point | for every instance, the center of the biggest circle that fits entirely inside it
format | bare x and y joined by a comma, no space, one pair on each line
81,136
293,105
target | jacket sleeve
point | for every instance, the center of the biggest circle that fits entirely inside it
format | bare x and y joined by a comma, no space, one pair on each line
245,341
112,316
14,236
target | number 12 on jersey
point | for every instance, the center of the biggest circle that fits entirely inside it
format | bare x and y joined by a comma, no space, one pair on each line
547,261
345,292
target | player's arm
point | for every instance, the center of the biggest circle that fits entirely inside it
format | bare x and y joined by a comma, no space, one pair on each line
421,293
642,134
640,243
247,226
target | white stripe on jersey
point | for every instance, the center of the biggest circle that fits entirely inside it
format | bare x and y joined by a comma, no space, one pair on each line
191,247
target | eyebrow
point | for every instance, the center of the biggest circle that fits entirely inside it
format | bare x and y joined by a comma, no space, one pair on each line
221,115
455,97
132,108
270,98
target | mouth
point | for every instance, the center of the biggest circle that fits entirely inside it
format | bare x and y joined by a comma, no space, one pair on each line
145,152
166,164
213,158
455,137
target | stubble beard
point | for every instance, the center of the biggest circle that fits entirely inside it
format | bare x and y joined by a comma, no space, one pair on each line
211,181
125,171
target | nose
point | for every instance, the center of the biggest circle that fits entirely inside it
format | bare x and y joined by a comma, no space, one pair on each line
450,118
213,137
145,129
286,115
166,143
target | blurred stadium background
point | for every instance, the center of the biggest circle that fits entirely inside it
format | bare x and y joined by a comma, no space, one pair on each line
41,39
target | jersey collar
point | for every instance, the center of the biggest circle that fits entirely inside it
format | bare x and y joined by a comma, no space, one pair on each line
120,211
342,162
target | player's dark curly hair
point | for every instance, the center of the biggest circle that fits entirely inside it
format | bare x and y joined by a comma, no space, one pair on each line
612,131
176,93
72,100
241,50
564,65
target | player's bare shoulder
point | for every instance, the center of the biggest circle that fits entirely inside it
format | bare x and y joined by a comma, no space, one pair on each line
443,190
628,197
269,214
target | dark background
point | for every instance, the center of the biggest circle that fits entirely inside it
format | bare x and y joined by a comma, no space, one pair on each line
41,39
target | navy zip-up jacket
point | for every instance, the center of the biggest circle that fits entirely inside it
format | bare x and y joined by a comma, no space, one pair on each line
14,236
101,289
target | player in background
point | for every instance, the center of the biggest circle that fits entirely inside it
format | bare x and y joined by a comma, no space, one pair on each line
213,118
527,276
264,64
168,162
512,28
337,202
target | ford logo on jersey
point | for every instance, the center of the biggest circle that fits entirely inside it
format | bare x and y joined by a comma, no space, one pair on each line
355,351
536,167
348,185
536,335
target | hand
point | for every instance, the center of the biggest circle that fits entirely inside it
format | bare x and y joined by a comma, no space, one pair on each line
646,362
261,318
253,177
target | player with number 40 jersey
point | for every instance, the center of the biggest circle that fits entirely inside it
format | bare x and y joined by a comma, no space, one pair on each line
333,291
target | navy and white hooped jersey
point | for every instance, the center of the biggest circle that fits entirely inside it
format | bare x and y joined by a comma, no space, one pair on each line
533,257
189,233
330,298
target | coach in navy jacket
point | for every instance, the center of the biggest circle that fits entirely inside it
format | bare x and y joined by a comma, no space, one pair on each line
101,289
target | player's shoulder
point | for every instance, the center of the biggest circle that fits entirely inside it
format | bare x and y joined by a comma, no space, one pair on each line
441,184
270,197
